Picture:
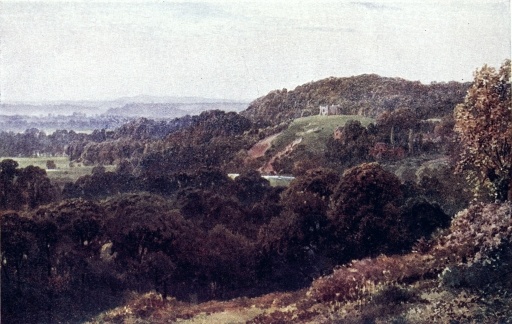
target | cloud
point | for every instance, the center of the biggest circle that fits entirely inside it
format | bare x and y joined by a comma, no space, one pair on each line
375,6
326,29
196,9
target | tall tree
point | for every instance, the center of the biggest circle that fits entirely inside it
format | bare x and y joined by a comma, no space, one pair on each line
483,124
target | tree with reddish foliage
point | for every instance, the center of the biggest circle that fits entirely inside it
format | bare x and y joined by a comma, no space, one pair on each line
395,127
350,145
483,124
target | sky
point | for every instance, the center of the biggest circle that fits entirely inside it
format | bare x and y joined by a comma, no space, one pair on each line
102,50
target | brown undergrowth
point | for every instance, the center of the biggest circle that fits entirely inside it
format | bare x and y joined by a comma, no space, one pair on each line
461,275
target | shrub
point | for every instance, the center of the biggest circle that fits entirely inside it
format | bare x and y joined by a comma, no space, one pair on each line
476,233
478,245
361,277
421,218
50,165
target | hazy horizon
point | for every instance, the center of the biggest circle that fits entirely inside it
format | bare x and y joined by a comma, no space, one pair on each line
142,98
105,50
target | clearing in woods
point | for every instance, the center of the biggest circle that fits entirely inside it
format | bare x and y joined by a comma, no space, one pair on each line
65,171
314,131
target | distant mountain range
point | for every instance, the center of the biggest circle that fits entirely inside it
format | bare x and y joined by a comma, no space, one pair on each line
138,106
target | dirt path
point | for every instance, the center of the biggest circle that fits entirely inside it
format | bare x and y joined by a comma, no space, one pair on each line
268,168
261,147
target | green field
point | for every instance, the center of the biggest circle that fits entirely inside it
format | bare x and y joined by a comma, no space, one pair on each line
62,162
314,131
65,171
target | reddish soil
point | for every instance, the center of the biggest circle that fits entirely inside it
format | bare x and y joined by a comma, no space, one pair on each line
268,168
261,147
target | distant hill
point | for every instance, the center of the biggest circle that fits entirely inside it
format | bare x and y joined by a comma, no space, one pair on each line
365,95
172,110
137,106
44,109
170,99
160,110
85,116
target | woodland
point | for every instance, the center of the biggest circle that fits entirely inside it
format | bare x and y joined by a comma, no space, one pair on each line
399,211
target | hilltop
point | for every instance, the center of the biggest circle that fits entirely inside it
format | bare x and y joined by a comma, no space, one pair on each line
365,95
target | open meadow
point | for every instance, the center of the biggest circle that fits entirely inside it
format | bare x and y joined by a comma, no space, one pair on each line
65,171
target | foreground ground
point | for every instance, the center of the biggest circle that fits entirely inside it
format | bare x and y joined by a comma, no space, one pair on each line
421,302
461,275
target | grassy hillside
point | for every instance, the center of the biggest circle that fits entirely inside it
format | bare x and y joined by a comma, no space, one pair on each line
314,131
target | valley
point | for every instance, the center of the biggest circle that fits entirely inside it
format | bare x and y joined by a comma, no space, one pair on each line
370,211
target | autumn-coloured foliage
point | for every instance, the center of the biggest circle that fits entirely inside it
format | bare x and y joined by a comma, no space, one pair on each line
170,220
352,145
474,237
483,124
394,126
476,233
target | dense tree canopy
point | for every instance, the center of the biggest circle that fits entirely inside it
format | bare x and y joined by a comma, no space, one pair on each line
170,219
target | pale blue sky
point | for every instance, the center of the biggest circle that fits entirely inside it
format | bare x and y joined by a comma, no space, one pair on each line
73,50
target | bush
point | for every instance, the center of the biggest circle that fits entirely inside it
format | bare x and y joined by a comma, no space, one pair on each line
421,218
477,232
478,245
50,165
